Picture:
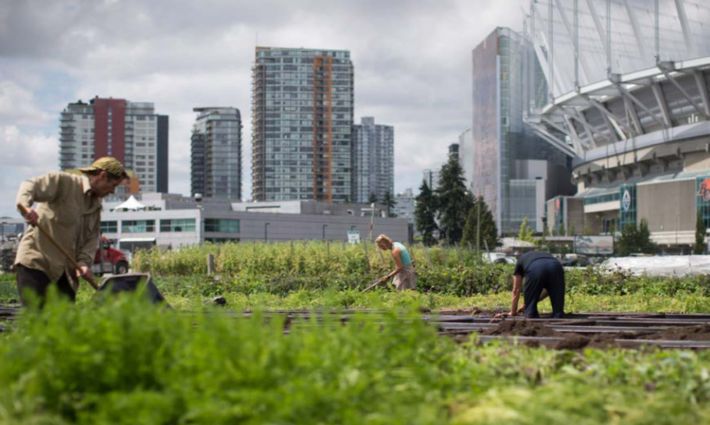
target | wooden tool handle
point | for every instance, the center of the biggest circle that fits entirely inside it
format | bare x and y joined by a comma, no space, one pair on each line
24,210
375,283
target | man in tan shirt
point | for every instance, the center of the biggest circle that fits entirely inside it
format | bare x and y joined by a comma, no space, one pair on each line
69,209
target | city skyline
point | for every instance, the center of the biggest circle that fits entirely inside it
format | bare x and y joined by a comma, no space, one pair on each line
164,59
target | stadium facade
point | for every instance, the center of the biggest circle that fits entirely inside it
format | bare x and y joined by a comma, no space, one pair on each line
627,99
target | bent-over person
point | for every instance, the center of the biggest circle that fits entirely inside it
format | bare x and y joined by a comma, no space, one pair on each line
541,273
404,275
68,207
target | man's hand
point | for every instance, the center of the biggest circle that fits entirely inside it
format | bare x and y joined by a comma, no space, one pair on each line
85,272
31,217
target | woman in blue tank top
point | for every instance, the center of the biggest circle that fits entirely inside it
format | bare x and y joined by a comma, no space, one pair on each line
404,275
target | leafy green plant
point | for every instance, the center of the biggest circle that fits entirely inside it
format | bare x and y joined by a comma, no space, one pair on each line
128,362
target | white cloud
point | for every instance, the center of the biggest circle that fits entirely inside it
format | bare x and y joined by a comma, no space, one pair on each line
412,63
23,156
17,106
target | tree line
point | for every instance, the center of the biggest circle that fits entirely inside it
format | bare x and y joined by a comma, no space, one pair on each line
449,213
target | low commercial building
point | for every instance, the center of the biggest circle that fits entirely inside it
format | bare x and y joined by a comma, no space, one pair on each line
670,204
173,221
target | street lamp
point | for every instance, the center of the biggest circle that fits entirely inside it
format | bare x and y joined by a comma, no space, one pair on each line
324,226
266,232
372,218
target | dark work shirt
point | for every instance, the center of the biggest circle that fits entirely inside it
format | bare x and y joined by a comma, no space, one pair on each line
525,260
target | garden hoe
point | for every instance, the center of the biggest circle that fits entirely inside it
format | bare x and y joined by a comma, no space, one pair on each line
375,283
127,282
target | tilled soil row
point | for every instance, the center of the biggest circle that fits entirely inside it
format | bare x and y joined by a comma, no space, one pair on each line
575,331
594,330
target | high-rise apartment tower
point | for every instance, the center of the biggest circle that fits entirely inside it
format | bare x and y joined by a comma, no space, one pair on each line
302,117
216,153
130,131
373,160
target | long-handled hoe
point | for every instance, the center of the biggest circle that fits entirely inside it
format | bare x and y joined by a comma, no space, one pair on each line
375,283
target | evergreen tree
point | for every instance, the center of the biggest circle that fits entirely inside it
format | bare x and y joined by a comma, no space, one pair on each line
635,239
389,202
525,233
627,241
454,201
571,231
372,199
485,235
425,213
645,244
700,246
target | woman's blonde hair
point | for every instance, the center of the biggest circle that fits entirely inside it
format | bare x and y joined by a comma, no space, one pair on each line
384,238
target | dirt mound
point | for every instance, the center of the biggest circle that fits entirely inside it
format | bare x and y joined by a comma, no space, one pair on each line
520,328
694,333
573,342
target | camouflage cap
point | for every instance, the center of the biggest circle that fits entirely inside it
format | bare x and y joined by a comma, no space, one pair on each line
109,164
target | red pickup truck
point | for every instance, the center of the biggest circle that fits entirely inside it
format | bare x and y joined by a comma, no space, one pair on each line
108,259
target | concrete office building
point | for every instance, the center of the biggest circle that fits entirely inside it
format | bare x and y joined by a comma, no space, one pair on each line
431,178
514,169
302,117
173,221
130,131
628,99
405,205
216,153
373,160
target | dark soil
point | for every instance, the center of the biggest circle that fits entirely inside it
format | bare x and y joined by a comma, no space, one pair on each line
695,333
577,341
521,328
573,342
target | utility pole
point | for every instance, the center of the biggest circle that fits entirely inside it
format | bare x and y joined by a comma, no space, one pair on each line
478,229
372,218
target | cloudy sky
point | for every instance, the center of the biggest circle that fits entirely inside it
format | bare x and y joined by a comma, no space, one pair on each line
412,61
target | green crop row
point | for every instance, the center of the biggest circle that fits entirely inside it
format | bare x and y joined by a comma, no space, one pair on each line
130,363
286,267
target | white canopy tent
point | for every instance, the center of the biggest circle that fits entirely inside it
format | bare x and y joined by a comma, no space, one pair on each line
131,204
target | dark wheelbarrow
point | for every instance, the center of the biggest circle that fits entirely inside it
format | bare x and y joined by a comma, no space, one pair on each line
130,282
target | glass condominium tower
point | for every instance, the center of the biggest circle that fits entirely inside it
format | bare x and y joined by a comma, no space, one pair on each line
302,117
216,153
373,160
513,169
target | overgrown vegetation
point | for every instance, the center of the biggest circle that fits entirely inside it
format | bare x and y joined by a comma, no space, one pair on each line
283,268
127,362
314,275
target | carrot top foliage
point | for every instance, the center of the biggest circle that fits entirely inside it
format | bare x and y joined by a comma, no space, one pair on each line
127,362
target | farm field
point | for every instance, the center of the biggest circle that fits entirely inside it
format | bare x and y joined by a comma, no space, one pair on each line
298,342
